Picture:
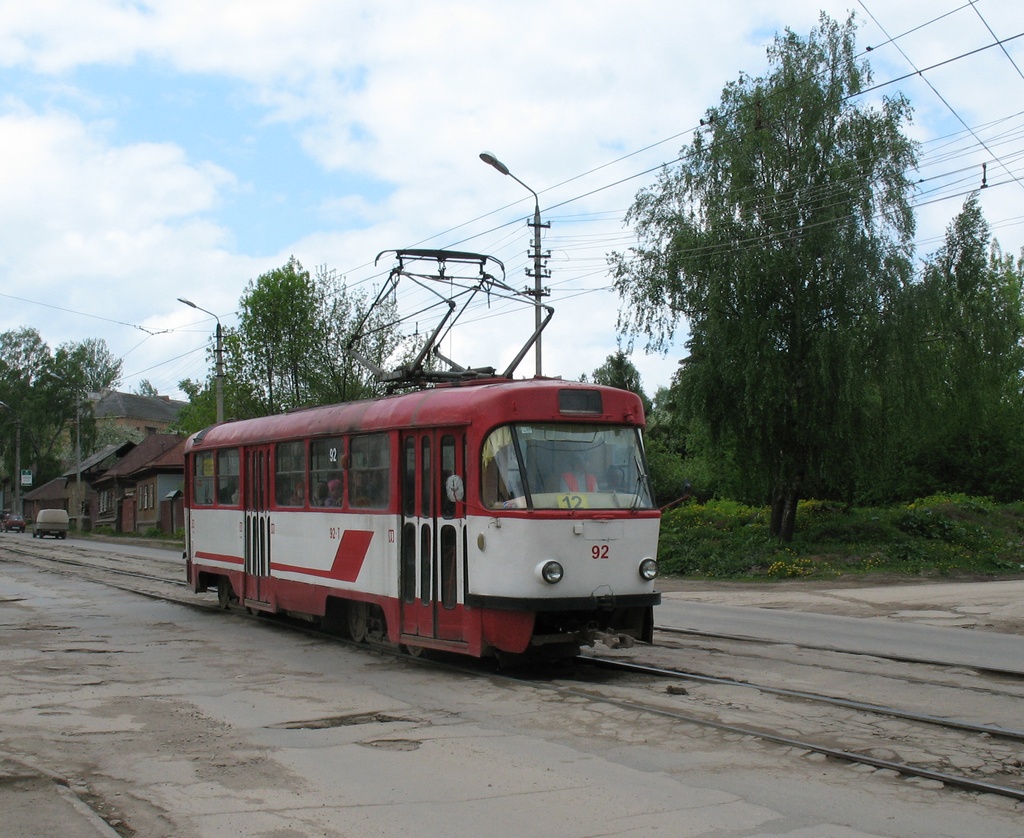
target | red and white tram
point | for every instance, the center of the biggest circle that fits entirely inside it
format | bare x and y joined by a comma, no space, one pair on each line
493,517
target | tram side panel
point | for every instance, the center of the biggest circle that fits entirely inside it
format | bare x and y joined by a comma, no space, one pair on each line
216,546
317,554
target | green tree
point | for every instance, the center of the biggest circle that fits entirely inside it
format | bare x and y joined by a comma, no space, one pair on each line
46,393
289,348
781,238
970,306
92,363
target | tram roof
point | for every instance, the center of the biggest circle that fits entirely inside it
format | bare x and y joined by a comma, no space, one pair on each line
488,403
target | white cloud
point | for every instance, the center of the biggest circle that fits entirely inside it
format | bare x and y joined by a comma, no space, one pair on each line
388,105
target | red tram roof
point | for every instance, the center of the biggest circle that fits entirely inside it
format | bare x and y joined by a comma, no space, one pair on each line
487,404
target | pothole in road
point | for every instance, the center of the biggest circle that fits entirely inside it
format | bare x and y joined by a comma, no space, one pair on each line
392,744
343,721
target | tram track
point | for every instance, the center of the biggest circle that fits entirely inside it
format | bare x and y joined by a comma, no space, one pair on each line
98,566
673,632
985,733
623,693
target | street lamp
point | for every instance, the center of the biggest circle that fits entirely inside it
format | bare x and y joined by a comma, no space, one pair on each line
78,451
538,257
220,358
17,458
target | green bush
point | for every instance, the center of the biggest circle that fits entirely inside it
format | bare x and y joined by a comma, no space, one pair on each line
939,535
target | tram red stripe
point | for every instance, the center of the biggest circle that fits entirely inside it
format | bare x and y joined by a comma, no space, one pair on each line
220,557
348,560
351,554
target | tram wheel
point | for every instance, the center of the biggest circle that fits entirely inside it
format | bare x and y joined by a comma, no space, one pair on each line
413,651
358,621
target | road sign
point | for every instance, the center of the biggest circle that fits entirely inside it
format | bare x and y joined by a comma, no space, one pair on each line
26,477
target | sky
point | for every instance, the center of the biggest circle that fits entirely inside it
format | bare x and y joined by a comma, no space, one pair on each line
157,150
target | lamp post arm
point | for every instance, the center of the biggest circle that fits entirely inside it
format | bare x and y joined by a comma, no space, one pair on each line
538,258
219,375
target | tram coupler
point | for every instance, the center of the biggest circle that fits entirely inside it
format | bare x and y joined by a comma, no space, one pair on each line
611,639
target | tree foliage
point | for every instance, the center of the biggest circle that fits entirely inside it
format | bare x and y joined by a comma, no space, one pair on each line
971,417
289,348
783,238
47,393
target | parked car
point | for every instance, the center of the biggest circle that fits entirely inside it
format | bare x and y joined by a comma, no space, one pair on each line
50,522
14,522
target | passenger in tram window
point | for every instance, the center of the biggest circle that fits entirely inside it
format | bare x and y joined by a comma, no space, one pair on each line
333,492
359,489
321,494
298,496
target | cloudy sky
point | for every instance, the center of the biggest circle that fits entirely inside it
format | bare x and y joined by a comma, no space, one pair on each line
156,150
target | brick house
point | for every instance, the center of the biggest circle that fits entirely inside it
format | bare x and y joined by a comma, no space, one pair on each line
128,495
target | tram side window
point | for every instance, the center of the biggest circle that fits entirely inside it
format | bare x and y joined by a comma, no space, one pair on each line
290,474
325,476
369,474
447,470
502,484
227,477
202,488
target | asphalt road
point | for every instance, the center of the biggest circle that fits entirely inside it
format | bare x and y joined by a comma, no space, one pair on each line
902,634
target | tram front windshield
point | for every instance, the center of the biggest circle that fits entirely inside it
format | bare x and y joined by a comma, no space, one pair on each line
564,466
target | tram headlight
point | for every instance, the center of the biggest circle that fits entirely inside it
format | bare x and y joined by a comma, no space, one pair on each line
648,569
551,572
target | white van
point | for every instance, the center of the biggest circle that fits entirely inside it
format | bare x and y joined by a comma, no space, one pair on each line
50,522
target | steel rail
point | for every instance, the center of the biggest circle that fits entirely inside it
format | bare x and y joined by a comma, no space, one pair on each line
746,638
940,721
98,567
905,769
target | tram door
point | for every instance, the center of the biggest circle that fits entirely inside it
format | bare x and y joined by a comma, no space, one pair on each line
257,522
433,536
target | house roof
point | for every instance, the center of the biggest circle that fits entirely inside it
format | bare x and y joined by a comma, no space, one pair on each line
54,490
173,459
154,449
118,449
114,405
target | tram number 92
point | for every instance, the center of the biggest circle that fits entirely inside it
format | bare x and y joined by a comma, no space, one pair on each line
599,551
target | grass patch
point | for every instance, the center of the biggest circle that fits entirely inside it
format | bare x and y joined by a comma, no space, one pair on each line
942,535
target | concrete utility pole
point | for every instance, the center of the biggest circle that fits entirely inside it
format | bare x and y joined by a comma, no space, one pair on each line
220,358
539,271
17,459
78,498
